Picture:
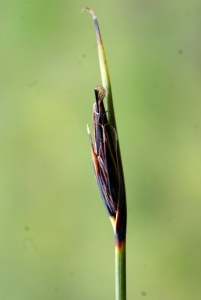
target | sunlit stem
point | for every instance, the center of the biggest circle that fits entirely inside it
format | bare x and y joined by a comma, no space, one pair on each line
120,270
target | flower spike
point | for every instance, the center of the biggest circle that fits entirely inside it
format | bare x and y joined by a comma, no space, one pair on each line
107,164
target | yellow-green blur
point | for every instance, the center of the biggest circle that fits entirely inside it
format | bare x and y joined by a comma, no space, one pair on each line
50,239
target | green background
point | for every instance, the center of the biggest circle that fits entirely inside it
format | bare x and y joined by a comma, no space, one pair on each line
56,241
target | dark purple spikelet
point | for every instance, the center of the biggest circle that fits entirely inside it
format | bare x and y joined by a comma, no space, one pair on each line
107,165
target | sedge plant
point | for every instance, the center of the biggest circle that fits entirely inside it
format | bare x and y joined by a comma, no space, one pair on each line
107,164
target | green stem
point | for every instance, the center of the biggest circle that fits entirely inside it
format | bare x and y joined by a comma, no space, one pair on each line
120,270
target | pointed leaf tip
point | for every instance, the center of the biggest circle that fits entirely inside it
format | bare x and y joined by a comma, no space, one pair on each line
83,9
91,12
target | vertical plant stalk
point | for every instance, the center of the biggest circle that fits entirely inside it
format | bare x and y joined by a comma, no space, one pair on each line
120,270
107,165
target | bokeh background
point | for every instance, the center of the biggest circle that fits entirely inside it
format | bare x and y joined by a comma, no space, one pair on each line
56,241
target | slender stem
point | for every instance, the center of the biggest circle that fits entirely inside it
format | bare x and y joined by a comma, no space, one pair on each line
120,270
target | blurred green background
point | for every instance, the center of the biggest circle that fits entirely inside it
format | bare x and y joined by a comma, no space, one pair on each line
56,241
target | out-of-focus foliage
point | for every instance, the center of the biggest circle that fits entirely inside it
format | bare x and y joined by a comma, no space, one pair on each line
55,238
